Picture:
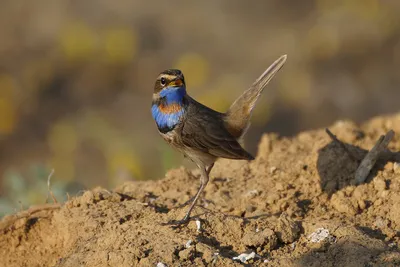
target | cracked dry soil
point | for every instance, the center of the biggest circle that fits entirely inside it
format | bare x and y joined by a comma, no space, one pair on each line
269,206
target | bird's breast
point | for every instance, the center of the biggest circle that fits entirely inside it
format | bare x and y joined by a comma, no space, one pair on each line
170,109
167,116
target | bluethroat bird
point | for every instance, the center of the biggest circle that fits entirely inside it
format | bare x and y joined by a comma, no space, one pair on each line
200,133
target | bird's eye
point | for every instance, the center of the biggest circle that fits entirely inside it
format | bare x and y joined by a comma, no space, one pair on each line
163,81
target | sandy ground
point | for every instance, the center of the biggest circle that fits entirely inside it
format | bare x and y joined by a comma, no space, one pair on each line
294,205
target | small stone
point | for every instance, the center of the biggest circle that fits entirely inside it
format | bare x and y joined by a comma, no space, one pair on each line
198,226
188,244
272,170
320,235
265,239
287,229
244,257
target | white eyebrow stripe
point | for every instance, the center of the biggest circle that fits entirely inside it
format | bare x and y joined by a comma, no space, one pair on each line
167,76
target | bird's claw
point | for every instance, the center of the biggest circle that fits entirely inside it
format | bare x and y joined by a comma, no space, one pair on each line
178,223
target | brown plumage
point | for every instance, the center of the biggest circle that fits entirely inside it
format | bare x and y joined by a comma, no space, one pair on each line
200,133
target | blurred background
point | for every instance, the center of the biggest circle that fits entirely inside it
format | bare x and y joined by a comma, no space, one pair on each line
76,79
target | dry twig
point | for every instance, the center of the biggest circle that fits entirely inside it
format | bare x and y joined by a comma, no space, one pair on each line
373,155
378,151
49,192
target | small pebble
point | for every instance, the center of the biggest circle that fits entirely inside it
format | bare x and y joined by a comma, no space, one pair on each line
244,257
198,224
319,235
287,229
188,244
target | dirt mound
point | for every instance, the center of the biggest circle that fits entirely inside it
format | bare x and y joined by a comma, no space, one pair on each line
295,205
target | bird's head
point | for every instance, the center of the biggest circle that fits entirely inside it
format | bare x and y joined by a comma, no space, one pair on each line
170,79
169,87
169,101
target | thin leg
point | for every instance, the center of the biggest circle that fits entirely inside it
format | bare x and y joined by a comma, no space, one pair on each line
203,182
209,169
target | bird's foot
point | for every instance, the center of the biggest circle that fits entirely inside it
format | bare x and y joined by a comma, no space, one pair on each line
178,223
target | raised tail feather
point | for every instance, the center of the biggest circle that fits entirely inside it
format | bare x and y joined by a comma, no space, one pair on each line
237,118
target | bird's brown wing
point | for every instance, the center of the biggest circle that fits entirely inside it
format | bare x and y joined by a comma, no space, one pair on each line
203,129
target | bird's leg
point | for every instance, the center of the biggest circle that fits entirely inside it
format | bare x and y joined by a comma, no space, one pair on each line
203,182
208,170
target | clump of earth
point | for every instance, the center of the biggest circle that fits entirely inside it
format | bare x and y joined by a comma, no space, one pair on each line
296,204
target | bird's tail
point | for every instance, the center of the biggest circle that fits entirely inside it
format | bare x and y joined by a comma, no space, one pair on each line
237,118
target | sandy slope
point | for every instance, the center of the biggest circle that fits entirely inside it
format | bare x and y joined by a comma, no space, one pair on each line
269,206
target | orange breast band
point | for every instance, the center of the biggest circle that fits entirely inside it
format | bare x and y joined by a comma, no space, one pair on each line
171,108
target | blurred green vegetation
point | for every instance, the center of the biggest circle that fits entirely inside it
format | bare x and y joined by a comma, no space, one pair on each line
76,79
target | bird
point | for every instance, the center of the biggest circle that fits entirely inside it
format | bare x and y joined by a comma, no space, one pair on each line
200,133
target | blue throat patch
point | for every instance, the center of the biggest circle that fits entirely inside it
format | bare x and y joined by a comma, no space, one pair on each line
169,111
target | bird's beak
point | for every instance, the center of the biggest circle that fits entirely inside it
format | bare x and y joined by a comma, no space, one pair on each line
176,83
